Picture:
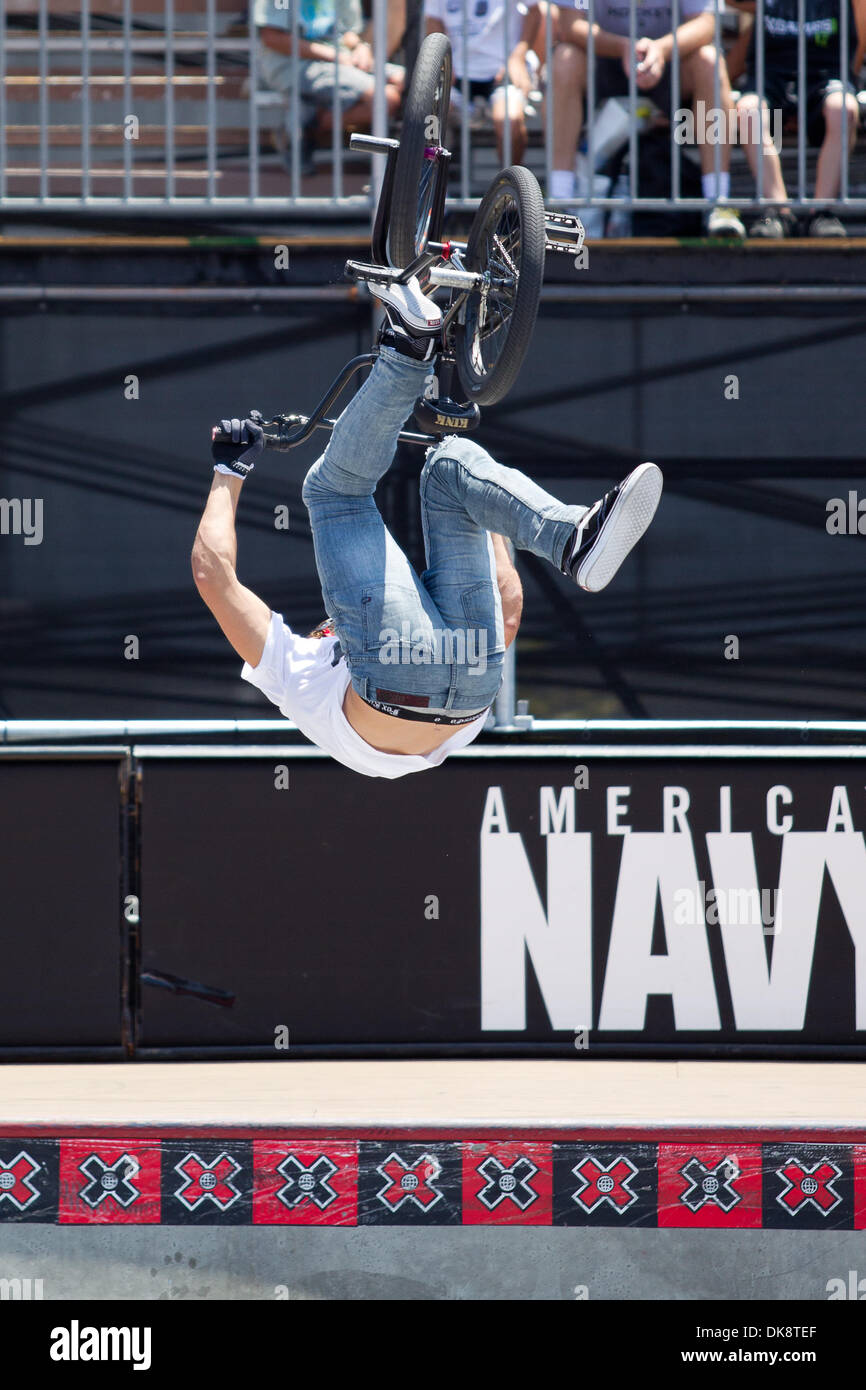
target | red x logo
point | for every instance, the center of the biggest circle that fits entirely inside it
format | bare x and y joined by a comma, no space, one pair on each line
15,1180
409,1181
605,1184
207,1180
805,1184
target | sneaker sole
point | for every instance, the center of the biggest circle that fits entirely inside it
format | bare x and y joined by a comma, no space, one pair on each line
629,518
409,322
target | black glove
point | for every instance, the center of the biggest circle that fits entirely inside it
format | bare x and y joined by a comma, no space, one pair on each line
244,441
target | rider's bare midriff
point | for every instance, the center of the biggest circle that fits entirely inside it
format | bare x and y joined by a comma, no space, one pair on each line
387,733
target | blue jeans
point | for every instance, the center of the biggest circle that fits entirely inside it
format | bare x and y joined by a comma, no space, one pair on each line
436,641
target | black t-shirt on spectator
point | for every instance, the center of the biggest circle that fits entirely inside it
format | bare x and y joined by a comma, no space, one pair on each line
823,37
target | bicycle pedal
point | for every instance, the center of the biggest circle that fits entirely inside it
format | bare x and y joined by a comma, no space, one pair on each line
563,220
375,274
569,248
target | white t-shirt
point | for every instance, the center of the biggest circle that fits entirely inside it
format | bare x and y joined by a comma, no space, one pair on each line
485,29
298,676
654,18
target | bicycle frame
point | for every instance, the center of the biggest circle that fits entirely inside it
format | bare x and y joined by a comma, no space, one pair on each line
439,264
286,432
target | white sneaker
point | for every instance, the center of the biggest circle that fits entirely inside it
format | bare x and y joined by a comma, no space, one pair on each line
725,221
611,528
409,306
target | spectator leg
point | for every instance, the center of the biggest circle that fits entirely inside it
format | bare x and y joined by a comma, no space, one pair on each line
828,176
699,82
748,127
518,123
569,86
360,115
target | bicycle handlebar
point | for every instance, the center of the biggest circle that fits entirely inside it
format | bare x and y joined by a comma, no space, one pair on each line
286,432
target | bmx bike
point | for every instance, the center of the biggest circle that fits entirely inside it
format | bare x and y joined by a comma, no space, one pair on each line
493,280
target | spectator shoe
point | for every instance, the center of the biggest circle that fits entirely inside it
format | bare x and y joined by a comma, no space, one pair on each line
724,221
774,225
825,224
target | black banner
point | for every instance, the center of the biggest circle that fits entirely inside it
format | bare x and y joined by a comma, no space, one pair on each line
62,851
568,902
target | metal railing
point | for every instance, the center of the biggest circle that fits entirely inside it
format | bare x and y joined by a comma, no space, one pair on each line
167,106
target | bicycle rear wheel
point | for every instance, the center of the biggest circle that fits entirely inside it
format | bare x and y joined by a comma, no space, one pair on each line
506,244
425,117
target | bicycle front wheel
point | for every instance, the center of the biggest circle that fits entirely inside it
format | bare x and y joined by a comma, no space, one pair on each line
425,117
506,245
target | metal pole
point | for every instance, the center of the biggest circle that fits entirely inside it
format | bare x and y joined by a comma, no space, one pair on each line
127,99
506,146
85,99
717,40
549,110
801,99
632,105
380,106
252,106
465,151
844,65
43,101
590,106
3,100
169,98
676,152
296,107
759,72
211,101
337,121
505,705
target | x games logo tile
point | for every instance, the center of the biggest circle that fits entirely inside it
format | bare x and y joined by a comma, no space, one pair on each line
810,1185
307,1183
410,1182
814,1184
605,1183
109,1182
207,1182
103,1181
508,1184
16,1181
710,1184
511,1183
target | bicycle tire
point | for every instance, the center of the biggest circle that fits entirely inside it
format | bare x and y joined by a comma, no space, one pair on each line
515,193
429,96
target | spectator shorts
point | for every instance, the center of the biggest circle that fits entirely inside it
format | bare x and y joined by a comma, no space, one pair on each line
611,81
780,94
486,91
316,80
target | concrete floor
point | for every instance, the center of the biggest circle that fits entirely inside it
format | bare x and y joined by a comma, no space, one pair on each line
402,1264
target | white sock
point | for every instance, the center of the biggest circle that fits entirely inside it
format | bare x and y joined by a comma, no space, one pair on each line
561,183
715,186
